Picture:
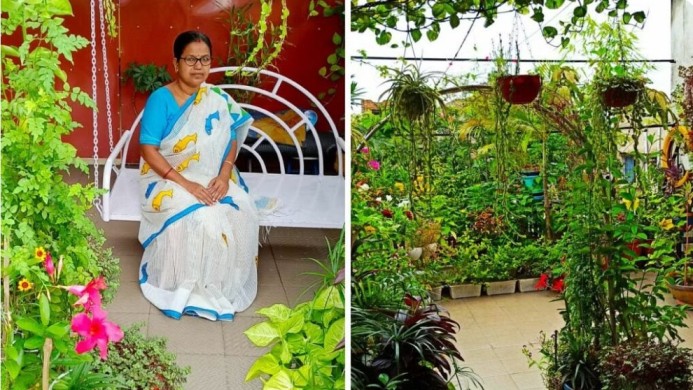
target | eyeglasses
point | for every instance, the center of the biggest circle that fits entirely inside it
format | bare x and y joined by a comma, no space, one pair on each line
192,60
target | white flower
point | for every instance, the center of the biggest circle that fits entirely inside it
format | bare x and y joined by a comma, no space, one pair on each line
403,203
388,198
364,187
378,199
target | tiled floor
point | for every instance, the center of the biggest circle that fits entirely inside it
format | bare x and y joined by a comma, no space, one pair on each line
218,352
494,330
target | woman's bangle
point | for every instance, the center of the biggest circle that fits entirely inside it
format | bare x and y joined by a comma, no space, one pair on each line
167,172
228,162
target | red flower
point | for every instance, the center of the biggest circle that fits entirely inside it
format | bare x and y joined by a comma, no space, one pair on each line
48,264
543,282
96,332
387,213
89,295
558,285
409,215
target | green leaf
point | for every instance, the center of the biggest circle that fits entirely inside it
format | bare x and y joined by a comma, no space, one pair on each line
383,38
60,7
276,313
323,71
285,355
12,368
580,12
58,329
334,335
279,381
639,16
44,309
267,364
314,332
549,32
454,20
332,59
416,35
30,325
538,15
337,39
432,35
554,4
626,17
328,298
34,342
292,325
262,334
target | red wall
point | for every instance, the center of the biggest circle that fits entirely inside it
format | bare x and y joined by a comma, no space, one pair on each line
146,34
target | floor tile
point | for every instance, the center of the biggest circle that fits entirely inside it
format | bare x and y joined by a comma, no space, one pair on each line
236,369
296,294
125,320
528,380
236,343
189,335
207,372
129,299
266,296
129,268
500,382
298,273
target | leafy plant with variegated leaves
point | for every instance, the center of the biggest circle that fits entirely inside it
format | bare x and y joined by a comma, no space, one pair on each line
307,341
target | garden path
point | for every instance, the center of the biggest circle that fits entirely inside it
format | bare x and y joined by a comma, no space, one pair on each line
218,352
495,328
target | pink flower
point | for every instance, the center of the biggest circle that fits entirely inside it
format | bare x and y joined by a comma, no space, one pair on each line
89,295
96,332
365,150
387,213
48,264
374,165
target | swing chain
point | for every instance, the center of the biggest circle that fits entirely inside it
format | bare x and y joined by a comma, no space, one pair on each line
105,72
95,118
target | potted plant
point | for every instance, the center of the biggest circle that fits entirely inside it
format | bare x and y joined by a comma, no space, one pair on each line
519,89
620,91
496,266
463,279
643,364
530,260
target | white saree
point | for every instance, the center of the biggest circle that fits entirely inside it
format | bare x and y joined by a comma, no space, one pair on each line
199,260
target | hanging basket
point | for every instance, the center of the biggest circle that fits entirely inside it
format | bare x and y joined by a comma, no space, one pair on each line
621,95
519,89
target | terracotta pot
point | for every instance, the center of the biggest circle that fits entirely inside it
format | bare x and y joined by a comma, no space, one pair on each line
519,89
620,95
682,293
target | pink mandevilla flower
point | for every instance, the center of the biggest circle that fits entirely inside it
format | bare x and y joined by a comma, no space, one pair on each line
365,150
96,331
373,164
48,264
89,295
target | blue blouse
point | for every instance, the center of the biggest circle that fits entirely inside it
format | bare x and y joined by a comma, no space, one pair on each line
160,114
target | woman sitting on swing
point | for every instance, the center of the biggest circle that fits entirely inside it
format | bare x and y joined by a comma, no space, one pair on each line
199,229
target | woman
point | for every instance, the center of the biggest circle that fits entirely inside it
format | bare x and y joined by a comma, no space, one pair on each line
199,230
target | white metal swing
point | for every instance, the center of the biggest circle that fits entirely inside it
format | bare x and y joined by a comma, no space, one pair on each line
315,201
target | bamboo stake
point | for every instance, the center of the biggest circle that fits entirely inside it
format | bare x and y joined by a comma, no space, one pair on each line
45,374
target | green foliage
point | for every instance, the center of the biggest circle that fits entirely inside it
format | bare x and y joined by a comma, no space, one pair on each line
382,17
307,342
253,44
334,70
146,78
647,365
143,362
38,208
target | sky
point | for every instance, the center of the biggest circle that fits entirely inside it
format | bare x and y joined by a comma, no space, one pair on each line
654,43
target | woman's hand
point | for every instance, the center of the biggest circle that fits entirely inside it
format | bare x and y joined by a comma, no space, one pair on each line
200,192
218,187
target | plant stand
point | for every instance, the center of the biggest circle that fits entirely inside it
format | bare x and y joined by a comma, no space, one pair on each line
527,285
502,287
465,291
682,293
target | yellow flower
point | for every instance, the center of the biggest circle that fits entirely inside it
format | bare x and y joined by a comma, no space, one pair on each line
369,229
666,224
631,205
399,186
40,253
25,285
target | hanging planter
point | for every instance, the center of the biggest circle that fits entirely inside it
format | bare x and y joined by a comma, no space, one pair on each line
619,93
519,89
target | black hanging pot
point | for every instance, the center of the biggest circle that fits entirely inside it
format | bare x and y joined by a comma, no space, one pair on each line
623,94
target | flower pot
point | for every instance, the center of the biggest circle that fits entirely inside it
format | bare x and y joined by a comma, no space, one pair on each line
436,293
682,293
465,291
415,253
528,284
502,287
528,178
620,95
520,89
